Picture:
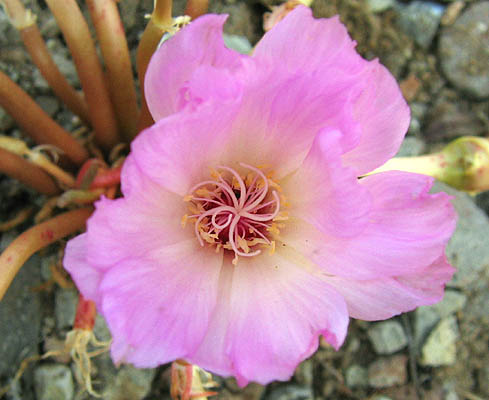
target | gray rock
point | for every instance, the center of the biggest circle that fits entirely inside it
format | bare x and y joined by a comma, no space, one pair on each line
425,318
452,302
378,6
420,20
239,43
291,392
387,372
387,337
130,383
53,382
49,104
467,250
440,347
6,121
464,51
20,318
411,146
356,376
65,304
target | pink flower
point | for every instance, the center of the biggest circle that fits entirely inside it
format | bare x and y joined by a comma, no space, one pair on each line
244,232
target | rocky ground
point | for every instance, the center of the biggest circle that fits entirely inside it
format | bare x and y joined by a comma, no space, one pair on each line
439,52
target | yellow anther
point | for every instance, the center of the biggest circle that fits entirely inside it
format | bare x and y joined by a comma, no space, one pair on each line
243,244
188,198
184,220
203,192
235,260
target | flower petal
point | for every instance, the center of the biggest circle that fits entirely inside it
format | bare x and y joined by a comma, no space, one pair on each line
325,193
178,58
385,297
134,226
384,117
307,45
177,152
408,229
272,327
303,43
86,277
158,309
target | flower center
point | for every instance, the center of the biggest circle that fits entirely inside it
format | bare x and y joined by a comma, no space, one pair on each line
236,212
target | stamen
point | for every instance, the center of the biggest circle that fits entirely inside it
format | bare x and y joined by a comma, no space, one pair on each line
235,212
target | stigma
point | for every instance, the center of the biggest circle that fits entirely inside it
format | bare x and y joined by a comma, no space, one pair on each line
236,212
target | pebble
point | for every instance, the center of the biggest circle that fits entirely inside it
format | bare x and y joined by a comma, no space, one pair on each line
452,302
420,21
241,44
49,104
387,372
20,318
426,317
378,6
467,250
6,121
130,383
464,51
65,304
356,376
53,382
387,337
291,392
411,146
440,347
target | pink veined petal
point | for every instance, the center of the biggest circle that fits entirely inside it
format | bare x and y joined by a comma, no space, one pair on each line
408,229
86,277
305,44
326,194
174,63
313,46
134,226
273,123
280,114
383,298
178,151
384,117
271,326
158,309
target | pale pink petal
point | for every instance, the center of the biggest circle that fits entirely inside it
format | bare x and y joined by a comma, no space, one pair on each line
177,59
383,298
277,310
408,229
304,44
280,115
384,116
212,353
325,193
158,308
307,45
86,277
177,152
131,227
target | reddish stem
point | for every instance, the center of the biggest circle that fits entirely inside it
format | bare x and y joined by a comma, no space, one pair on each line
85,314
115,51
77,35
36,238
35,122
27,173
